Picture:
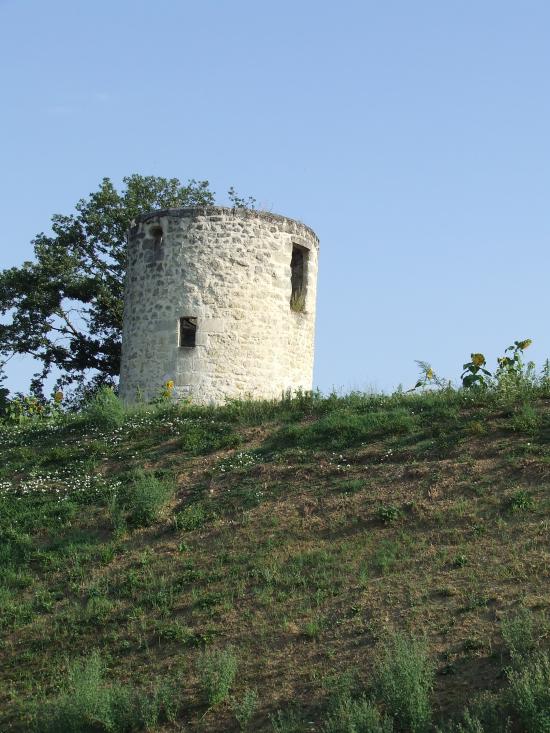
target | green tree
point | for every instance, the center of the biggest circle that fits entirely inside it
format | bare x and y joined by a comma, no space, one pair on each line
4,392
65,307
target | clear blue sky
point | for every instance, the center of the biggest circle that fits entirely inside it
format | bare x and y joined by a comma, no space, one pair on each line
412,136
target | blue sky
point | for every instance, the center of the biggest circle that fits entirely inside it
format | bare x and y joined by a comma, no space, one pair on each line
413,137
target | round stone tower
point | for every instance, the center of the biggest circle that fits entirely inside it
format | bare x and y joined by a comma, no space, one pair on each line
220,301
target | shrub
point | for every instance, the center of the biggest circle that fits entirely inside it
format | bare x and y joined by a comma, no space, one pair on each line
388,514
484,715
289,721
201,437
529,694
356,716
192,517
525,420
518,633
87,705
403,681
245,708
104,411
90,705
145,497
216,669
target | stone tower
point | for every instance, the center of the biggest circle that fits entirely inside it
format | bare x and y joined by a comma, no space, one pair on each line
221,301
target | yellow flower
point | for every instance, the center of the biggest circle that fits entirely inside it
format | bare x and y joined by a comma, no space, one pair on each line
430,373
58,396
525,344
170,384
478,360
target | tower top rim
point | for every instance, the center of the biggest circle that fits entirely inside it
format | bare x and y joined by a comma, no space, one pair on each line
193,211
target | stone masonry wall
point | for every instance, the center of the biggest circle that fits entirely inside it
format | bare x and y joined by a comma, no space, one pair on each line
230,269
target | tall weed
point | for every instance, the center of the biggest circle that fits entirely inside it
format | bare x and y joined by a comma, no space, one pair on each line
518,632
104,411
145,497
529,694
89,704
403,682
245,708
356,716
217,669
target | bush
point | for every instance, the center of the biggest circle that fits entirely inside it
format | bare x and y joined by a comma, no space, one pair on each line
207,436
388,514
90,705
245,708
289,721
403,681
145,497
216,669
525,420
484,715
518,634
356,716
192,517
104,411
529,694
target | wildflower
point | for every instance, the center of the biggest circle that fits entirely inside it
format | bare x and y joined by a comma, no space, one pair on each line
430,373
478,360
58,396
170,384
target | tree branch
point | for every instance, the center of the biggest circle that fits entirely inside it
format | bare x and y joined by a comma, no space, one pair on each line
61,313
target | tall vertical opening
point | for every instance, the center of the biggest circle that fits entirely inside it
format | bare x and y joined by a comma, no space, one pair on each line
187,331
157,235
298,265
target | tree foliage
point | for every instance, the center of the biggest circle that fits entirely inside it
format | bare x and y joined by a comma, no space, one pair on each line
65,307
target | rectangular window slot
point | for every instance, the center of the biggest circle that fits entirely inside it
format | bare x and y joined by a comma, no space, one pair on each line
155,249
188,331
298,279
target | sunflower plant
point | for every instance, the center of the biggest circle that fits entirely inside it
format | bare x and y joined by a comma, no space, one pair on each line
166,391
475,374
512,369
23,408
514,361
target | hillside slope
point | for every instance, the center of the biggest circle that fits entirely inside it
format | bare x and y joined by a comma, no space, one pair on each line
300,543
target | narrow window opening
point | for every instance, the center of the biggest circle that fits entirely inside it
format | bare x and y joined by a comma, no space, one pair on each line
188,331
157,235
297,277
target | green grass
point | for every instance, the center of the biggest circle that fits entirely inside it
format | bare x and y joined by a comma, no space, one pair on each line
313,539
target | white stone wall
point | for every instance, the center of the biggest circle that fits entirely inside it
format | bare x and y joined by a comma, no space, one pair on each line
231,270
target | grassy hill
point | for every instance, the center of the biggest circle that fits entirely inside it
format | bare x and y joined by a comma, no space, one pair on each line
358,564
